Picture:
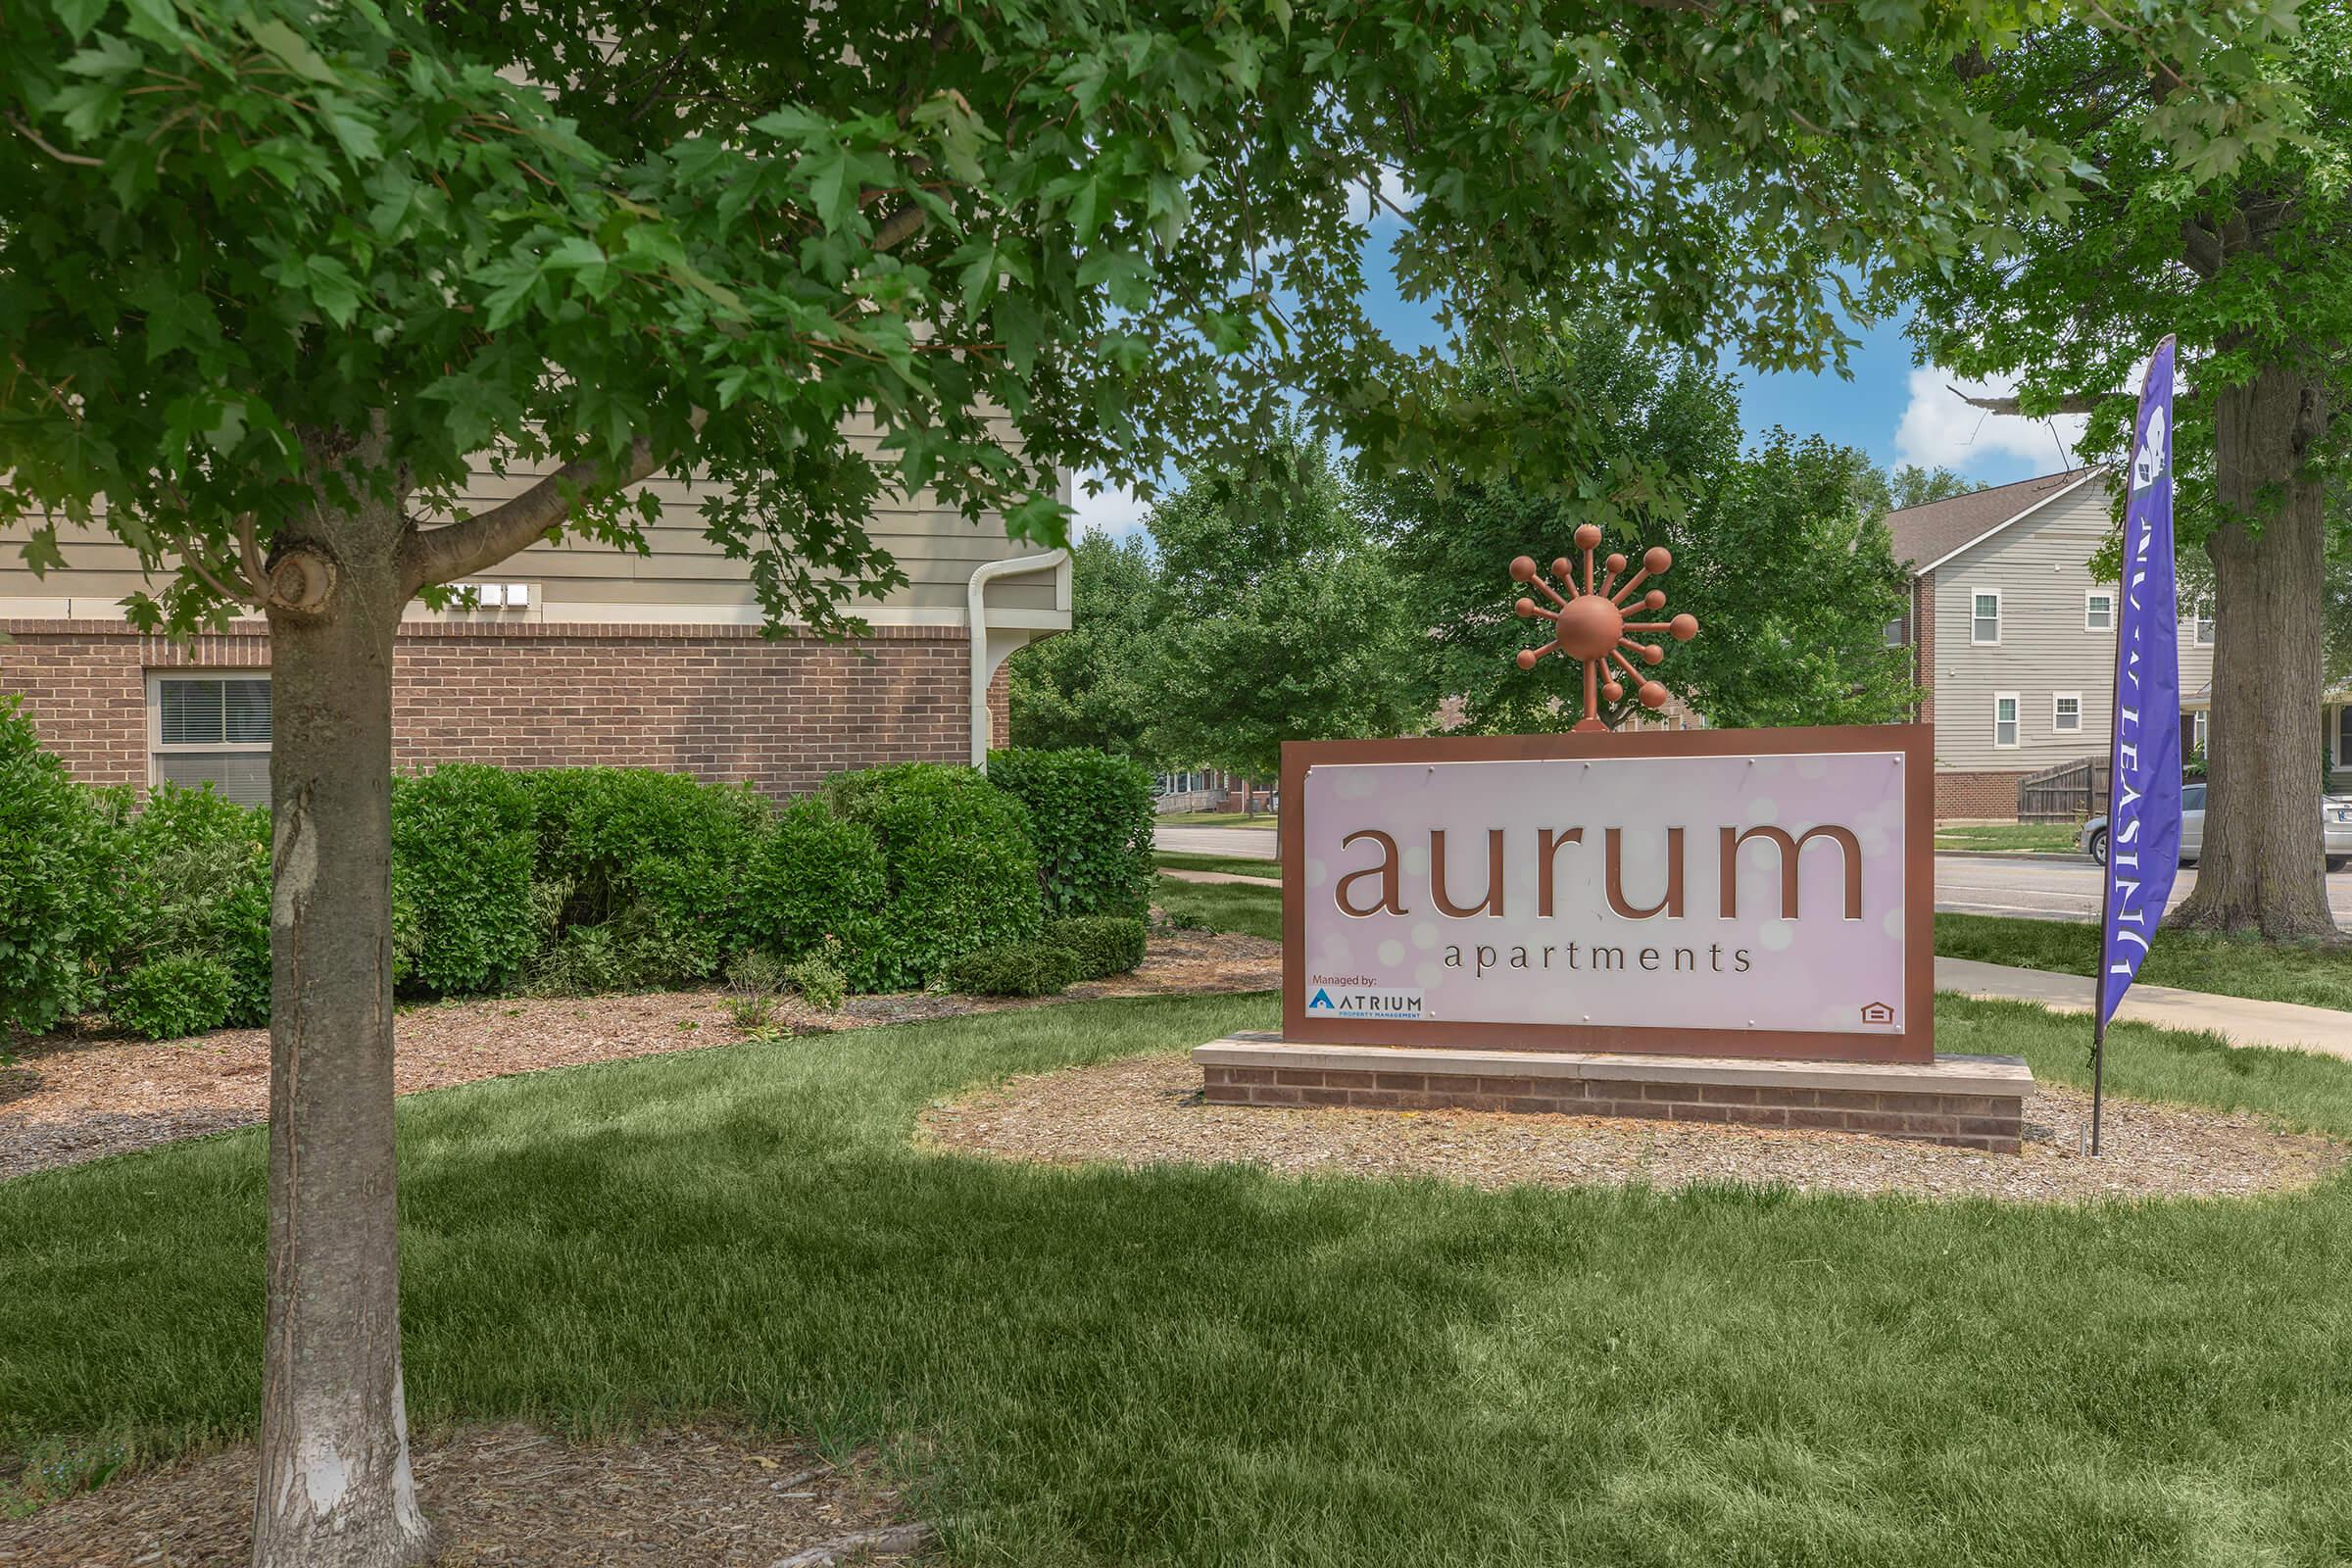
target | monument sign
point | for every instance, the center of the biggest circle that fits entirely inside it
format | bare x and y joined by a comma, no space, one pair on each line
1744,893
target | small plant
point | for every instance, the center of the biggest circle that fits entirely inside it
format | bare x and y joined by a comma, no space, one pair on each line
822,978
1019,969
1182,920
1104,944
753,980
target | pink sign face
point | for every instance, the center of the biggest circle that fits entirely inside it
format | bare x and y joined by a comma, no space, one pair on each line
1754,902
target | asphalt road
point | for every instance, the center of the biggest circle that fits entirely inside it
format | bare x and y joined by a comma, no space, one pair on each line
1968,884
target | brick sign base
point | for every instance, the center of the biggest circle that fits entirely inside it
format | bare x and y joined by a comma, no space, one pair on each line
1968,1102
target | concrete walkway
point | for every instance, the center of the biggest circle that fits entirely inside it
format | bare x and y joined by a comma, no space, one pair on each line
1220,877
2236,1019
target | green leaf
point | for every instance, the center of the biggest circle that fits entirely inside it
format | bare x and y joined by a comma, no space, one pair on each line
79,15
291,49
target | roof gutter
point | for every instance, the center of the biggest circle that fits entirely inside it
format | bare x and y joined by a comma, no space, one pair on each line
983,667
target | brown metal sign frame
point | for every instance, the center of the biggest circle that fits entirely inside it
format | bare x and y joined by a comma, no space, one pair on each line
1915,1044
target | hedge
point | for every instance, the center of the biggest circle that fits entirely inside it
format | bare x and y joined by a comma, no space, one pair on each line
198,886
59,854
464,839
959,870
814,874
576,879
1101,945
1091,818
1015,969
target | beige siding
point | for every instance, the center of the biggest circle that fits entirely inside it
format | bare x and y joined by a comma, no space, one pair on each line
682,578
2041,568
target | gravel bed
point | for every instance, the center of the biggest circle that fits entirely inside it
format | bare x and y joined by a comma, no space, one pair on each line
1147,1110
506,1495
75,1098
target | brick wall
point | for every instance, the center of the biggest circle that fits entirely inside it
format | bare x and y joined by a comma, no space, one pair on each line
1967,1121
719,702
999,707
1961,797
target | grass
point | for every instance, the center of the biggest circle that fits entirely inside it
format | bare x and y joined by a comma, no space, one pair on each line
1236,864
1223,907
1215,820
2315,975
1214,1367
2058,836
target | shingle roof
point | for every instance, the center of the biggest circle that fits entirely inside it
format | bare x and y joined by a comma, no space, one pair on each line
1929,534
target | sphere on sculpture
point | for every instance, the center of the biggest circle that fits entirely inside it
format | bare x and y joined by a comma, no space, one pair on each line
1590,623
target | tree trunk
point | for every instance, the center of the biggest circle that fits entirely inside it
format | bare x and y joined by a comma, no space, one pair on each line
2263,864
336,1489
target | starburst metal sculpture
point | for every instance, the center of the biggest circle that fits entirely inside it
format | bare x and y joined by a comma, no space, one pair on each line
1590,623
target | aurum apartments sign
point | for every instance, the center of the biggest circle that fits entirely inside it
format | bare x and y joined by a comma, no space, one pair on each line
1752,893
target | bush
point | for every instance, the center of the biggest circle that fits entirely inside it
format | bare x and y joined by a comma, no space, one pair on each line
813,874
819,977
464,840
1091,818
170,998
1101,945
960,872
657,858
60,851
1017,969
199,881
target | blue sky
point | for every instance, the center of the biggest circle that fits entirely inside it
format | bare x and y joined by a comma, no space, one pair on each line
1896,412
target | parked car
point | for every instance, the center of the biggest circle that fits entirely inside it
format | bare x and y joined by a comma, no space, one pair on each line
2335,829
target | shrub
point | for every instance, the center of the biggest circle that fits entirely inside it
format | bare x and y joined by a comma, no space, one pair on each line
464,840
168,997
1016,969
199,881
960,872
813,874
60,851
657,858
1091,818
819,977
1101,945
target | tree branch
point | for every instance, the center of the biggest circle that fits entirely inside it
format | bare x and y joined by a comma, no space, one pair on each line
900,228
2202,248
35,137
486,538
2077,403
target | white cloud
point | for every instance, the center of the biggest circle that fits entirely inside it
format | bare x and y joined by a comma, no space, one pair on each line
1116,511
1940,431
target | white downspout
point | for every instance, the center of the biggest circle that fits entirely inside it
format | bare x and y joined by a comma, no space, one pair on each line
984,666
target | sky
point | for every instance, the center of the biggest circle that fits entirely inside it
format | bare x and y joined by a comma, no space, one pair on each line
1891,409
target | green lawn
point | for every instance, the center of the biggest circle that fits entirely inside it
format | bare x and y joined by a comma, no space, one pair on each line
2008,836
1215,820
1223,906
1239,865
2196,960
1173,1366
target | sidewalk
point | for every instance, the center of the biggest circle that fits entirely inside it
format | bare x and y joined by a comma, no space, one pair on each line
2236,1019
1215,878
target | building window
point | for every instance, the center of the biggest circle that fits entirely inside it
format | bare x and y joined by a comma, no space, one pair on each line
2098,610
2204,631
210,729
1984,622
2066,713
2343,737
1894,633
2192,727
2004,718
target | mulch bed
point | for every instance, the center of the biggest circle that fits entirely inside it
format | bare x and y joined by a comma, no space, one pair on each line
506,1495
77,1097
1148,1110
